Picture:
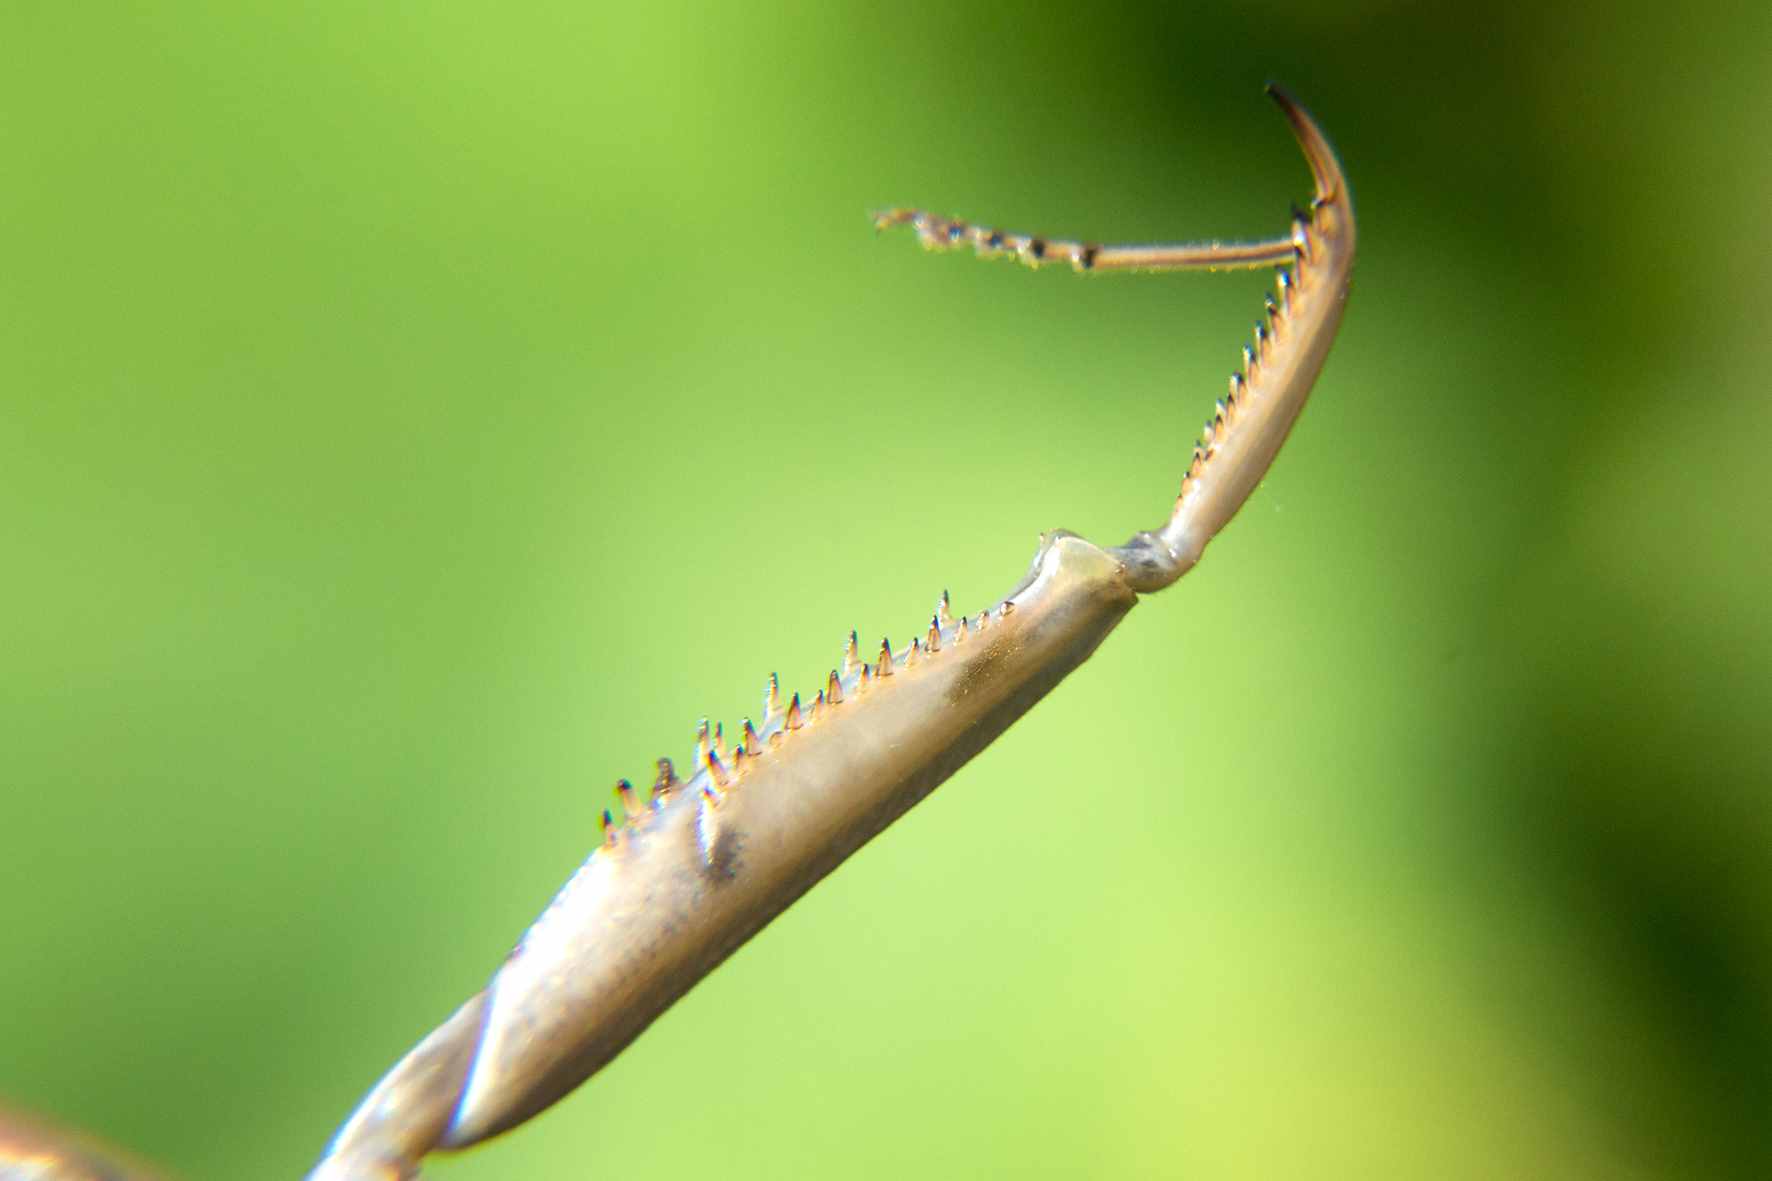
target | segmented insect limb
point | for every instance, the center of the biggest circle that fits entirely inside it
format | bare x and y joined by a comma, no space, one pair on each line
945,233
1264,398
1279,370
675,888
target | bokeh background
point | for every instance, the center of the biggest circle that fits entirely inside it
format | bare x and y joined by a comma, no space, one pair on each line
414,416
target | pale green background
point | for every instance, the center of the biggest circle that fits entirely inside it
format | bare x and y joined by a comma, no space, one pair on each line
413,416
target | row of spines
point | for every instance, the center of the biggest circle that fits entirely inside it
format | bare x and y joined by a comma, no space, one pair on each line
720,766
1270,330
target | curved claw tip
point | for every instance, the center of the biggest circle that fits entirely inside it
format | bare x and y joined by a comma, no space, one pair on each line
1325,169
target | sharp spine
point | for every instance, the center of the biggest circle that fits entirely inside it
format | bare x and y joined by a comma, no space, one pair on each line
716,768
666,783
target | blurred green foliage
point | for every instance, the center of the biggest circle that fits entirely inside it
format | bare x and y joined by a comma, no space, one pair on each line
414,416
